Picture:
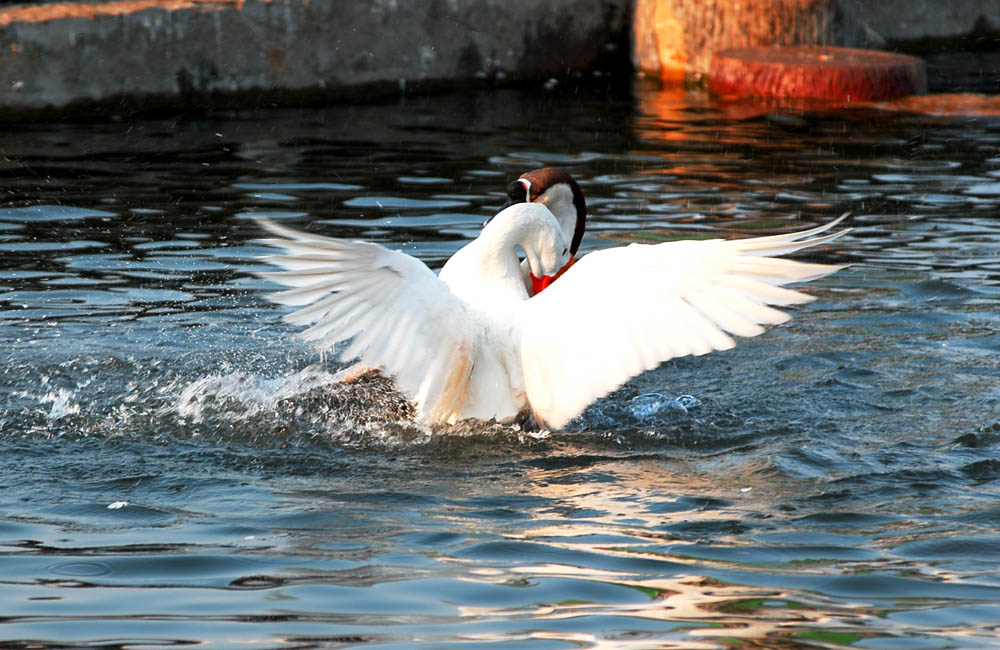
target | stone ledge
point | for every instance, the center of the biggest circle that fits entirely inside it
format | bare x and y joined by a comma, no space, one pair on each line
64,55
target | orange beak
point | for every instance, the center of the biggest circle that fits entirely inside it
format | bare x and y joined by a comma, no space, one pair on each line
538,284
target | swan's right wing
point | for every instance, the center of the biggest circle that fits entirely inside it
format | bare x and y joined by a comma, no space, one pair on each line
620,311
398,315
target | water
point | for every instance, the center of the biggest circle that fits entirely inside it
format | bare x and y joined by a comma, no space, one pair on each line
178,470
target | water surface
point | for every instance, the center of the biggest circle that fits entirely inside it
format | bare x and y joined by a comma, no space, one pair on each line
177,469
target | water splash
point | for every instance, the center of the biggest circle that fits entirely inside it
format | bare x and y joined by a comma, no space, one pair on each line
62,404
308,404
247,394
648,405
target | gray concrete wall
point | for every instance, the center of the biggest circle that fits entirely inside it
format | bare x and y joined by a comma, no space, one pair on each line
189,51
904,23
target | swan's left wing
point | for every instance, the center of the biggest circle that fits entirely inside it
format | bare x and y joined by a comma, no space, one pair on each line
398,315
620,311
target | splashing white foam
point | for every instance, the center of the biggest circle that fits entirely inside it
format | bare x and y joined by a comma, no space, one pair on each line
62,404
254,394
650,404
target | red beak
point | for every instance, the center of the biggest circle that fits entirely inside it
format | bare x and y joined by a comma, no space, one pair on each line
538,284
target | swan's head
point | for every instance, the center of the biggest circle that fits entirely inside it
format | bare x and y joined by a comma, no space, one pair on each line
532,227
546,250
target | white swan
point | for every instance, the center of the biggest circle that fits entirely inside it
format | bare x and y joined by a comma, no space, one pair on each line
472,342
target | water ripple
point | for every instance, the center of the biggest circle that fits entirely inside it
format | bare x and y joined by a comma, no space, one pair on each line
177,469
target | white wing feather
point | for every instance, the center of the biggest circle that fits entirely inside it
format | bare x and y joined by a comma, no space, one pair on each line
401,317
646,304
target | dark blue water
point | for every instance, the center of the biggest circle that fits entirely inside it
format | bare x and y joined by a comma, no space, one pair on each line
178,470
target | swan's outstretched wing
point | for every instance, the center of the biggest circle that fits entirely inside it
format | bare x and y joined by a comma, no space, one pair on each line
639,305
401,317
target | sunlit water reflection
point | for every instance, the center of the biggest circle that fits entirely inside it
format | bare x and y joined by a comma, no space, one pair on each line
178,469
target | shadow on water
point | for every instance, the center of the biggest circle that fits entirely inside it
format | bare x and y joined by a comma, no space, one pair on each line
179,470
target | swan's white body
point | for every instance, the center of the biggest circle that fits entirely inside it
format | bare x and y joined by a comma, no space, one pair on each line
470,343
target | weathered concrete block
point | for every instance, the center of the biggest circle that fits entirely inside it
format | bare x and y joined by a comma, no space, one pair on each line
908,21
189,50
675,39
816,72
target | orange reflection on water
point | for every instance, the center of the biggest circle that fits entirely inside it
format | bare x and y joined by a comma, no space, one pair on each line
945,104
670,105
937,105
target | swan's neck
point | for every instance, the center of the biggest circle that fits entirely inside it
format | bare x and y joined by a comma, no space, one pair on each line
487,269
